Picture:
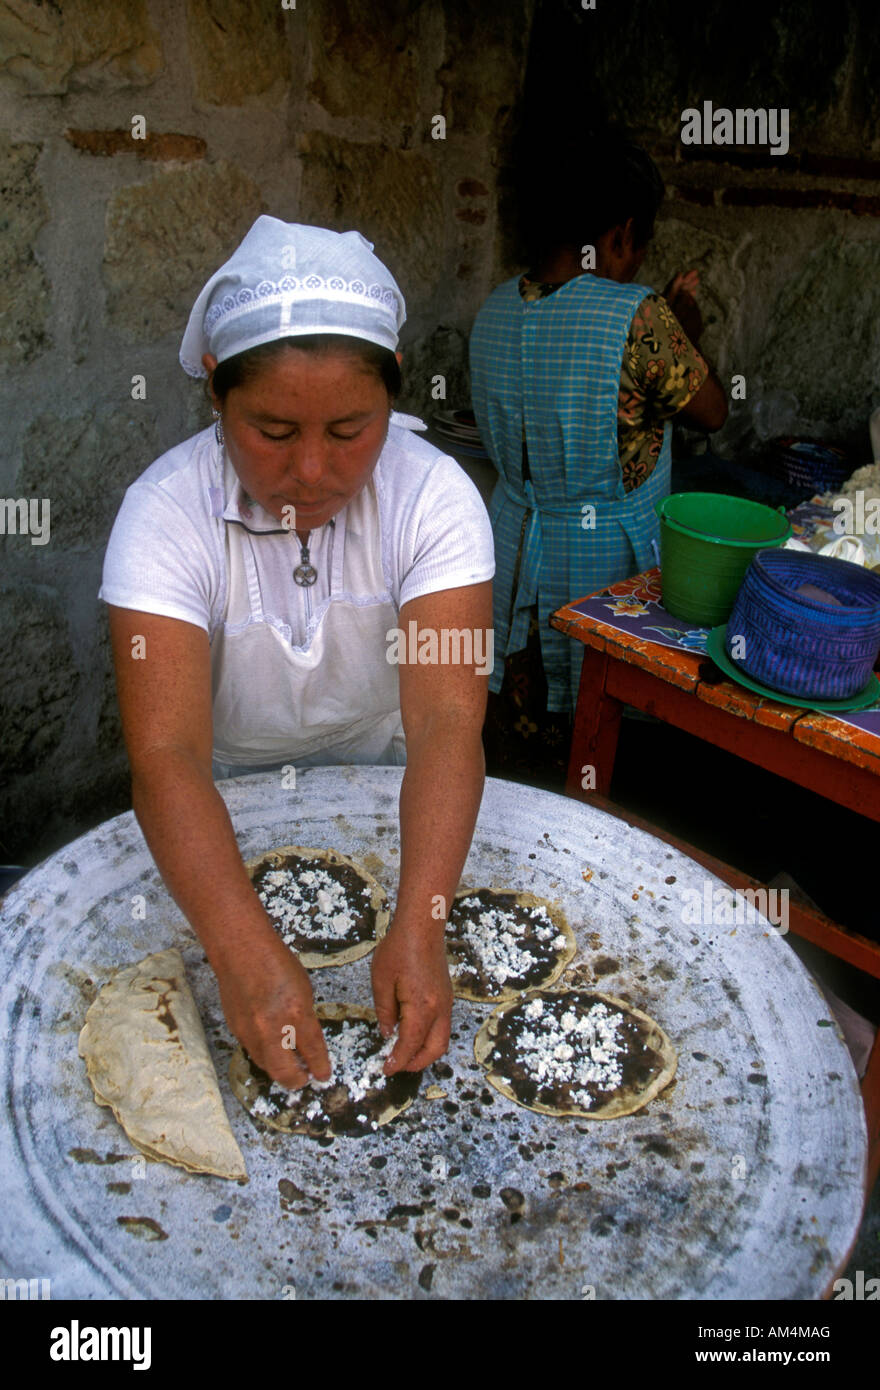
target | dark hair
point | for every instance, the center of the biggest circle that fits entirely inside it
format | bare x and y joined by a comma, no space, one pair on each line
569,196
244,366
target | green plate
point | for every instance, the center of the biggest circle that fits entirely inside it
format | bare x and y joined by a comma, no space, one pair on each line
716,648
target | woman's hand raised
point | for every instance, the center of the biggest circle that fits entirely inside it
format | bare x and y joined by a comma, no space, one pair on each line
679,295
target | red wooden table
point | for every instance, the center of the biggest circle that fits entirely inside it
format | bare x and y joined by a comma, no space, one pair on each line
814,750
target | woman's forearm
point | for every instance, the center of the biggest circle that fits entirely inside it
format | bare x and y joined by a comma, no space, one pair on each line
187,827
264,989
439,802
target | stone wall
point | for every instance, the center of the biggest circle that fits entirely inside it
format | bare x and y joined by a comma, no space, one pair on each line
322,113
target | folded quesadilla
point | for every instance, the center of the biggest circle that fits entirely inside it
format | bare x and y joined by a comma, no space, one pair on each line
147,1059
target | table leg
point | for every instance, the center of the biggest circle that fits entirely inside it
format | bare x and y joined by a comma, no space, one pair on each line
595,730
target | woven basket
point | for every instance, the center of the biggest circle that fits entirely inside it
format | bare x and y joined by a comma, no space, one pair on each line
801,645
809,465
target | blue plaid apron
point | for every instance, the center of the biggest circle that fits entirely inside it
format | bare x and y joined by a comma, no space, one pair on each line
549,371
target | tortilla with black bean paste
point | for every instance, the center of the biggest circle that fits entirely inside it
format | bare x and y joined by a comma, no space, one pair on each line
355,1046
629,1055
307,891
499,944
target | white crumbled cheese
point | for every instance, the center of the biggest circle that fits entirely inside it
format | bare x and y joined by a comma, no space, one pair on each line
309,903
351,1067
263,1106
322,1085
488,941
571,1050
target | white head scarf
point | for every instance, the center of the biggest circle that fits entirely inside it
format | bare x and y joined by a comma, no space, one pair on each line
286,280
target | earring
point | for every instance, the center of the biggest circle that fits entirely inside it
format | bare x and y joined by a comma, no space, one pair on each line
218,428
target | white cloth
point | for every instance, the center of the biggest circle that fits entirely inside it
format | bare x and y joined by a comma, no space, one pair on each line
298,673
288,279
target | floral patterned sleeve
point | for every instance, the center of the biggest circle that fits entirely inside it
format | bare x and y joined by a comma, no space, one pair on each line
660,372
664,368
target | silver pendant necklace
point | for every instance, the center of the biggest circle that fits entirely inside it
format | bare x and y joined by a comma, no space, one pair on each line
305,572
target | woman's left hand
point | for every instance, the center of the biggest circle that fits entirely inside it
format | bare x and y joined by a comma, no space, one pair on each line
684,282
679,295
411,987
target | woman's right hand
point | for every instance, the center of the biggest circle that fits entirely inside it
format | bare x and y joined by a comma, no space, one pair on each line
267,999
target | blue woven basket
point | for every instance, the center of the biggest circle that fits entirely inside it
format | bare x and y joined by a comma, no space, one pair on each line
808,464
800,645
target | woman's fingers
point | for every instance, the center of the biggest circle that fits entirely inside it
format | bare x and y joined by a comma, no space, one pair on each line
424,1036
267,999
312,1048
411,989
293,1052
287,1069
384,994
683,282
413,1028
434,1045
290,1052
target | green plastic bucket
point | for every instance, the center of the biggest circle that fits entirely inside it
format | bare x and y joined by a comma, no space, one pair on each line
707,541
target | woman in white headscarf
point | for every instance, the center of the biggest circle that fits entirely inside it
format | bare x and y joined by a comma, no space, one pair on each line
253,574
